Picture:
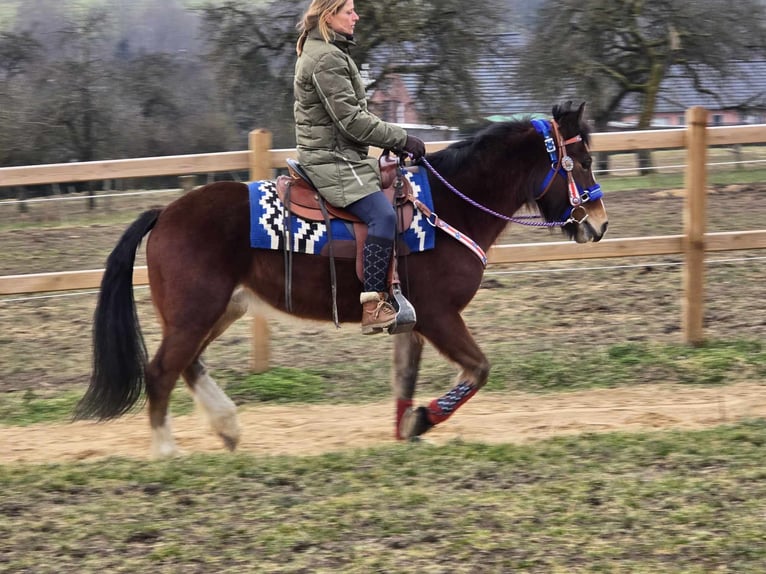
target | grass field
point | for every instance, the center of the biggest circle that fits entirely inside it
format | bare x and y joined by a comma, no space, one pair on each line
662,502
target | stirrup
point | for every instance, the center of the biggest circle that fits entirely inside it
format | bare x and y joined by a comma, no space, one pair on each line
405,313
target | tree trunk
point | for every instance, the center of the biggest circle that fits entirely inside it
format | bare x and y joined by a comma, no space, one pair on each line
601,124
21,197
91,196
644,156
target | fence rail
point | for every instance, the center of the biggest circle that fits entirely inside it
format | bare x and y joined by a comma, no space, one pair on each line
275,158
261,161
507,253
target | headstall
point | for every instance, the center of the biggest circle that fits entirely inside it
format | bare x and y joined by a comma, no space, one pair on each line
562,164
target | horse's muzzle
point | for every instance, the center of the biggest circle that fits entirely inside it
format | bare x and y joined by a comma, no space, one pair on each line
586,232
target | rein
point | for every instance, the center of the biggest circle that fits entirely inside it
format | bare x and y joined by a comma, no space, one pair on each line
522,220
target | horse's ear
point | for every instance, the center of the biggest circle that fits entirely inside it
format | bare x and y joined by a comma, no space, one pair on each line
560,110
580,113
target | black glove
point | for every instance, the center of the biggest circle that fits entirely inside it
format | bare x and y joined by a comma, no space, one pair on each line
415,147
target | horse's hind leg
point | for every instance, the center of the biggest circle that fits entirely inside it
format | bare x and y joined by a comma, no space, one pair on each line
219,410
177,350
451,338
182,343
408,348
217,407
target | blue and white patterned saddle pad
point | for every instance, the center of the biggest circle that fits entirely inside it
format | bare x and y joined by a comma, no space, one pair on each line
267,219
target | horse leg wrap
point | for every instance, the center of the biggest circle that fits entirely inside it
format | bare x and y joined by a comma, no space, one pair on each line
439,410
401,407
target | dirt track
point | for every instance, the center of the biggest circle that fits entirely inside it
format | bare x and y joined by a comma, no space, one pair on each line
314,429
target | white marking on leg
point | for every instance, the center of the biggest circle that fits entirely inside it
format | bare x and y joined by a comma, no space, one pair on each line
218,409
163,443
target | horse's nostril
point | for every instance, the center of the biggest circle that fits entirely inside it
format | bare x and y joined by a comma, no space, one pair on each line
599,236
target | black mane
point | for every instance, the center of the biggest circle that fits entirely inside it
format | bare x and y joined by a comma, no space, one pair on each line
454,157
505,135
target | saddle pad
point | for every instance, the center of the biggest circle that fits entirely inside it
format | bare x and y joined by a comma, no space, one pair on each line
267,221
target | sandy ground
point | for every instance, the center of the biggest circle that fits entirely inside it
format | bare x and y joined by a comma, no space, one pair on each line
315,429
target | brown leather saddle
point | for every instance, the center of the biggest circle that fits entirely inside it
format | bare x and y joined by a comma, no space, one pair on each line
300,196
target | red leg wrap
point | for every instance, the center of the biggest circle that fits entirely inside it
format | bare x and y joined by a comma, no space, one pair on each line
401,406
439,410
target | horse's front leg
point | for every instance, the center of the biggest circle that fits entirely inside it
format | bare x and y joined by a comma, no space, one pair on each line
451,338
408,348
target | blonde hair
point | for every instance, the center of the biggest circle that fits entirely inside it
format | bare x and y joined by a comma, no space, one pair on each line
316,17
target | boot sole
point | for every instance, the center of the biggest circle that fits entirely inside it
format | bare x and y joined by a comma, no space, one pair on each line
377,328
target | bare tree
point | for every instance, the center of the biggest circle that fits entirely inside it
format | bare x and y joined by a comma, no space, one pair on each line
608,49
437,41
75,86
20,54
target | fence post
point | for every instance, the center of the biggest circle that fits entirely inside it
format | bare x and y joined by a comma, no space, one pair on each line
187,182
260,169
694,226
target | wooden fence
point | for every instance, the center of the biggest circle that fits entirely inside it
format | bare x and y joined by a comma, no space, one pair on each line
261,161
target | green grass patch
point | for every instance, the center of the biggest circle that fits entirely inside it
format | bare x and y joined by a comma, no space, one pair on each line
29,407
715,363
652,502
280,385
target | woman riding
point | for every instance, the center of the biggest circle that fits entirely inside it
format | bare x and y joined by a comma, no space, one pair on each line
333,131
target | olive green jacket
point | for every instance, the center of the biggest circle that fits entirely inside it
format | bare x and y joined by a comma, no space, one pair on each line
333,127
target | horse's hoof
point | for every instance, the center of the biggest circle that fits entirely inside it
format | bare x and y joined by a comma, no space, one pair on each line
414,423
165,453
229,442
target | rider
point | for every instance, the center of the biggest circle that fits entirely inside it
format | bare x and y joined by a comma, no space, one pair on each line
333,130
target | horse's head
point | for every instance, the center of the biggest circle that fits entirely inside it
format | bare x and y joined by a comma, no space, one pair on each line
569,192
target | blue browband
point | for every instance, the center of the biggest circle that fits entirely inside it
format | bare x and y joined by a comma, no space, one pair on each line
563,167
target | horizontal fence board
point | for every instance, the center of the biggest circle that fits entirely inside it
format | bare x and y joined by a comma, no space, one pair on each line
740,135
61,281
735,240
559,250
239,160
122,168
498,254
636,140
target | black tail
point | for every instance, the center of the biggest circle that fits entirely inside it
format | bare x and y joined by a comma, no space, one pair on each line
119,352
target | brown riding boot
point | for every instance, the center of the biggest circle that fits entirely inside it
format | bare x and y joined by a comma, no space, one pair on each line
377,312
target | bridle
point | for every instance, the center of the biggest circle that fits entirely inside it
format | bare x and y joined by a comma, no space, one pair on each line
562,164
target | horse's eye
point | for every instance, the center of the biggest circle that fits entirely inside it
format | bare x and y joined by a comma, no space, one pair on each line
587,162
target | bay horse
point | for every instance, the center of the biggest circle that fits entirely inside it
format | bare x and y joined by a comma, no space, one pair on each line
203,274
